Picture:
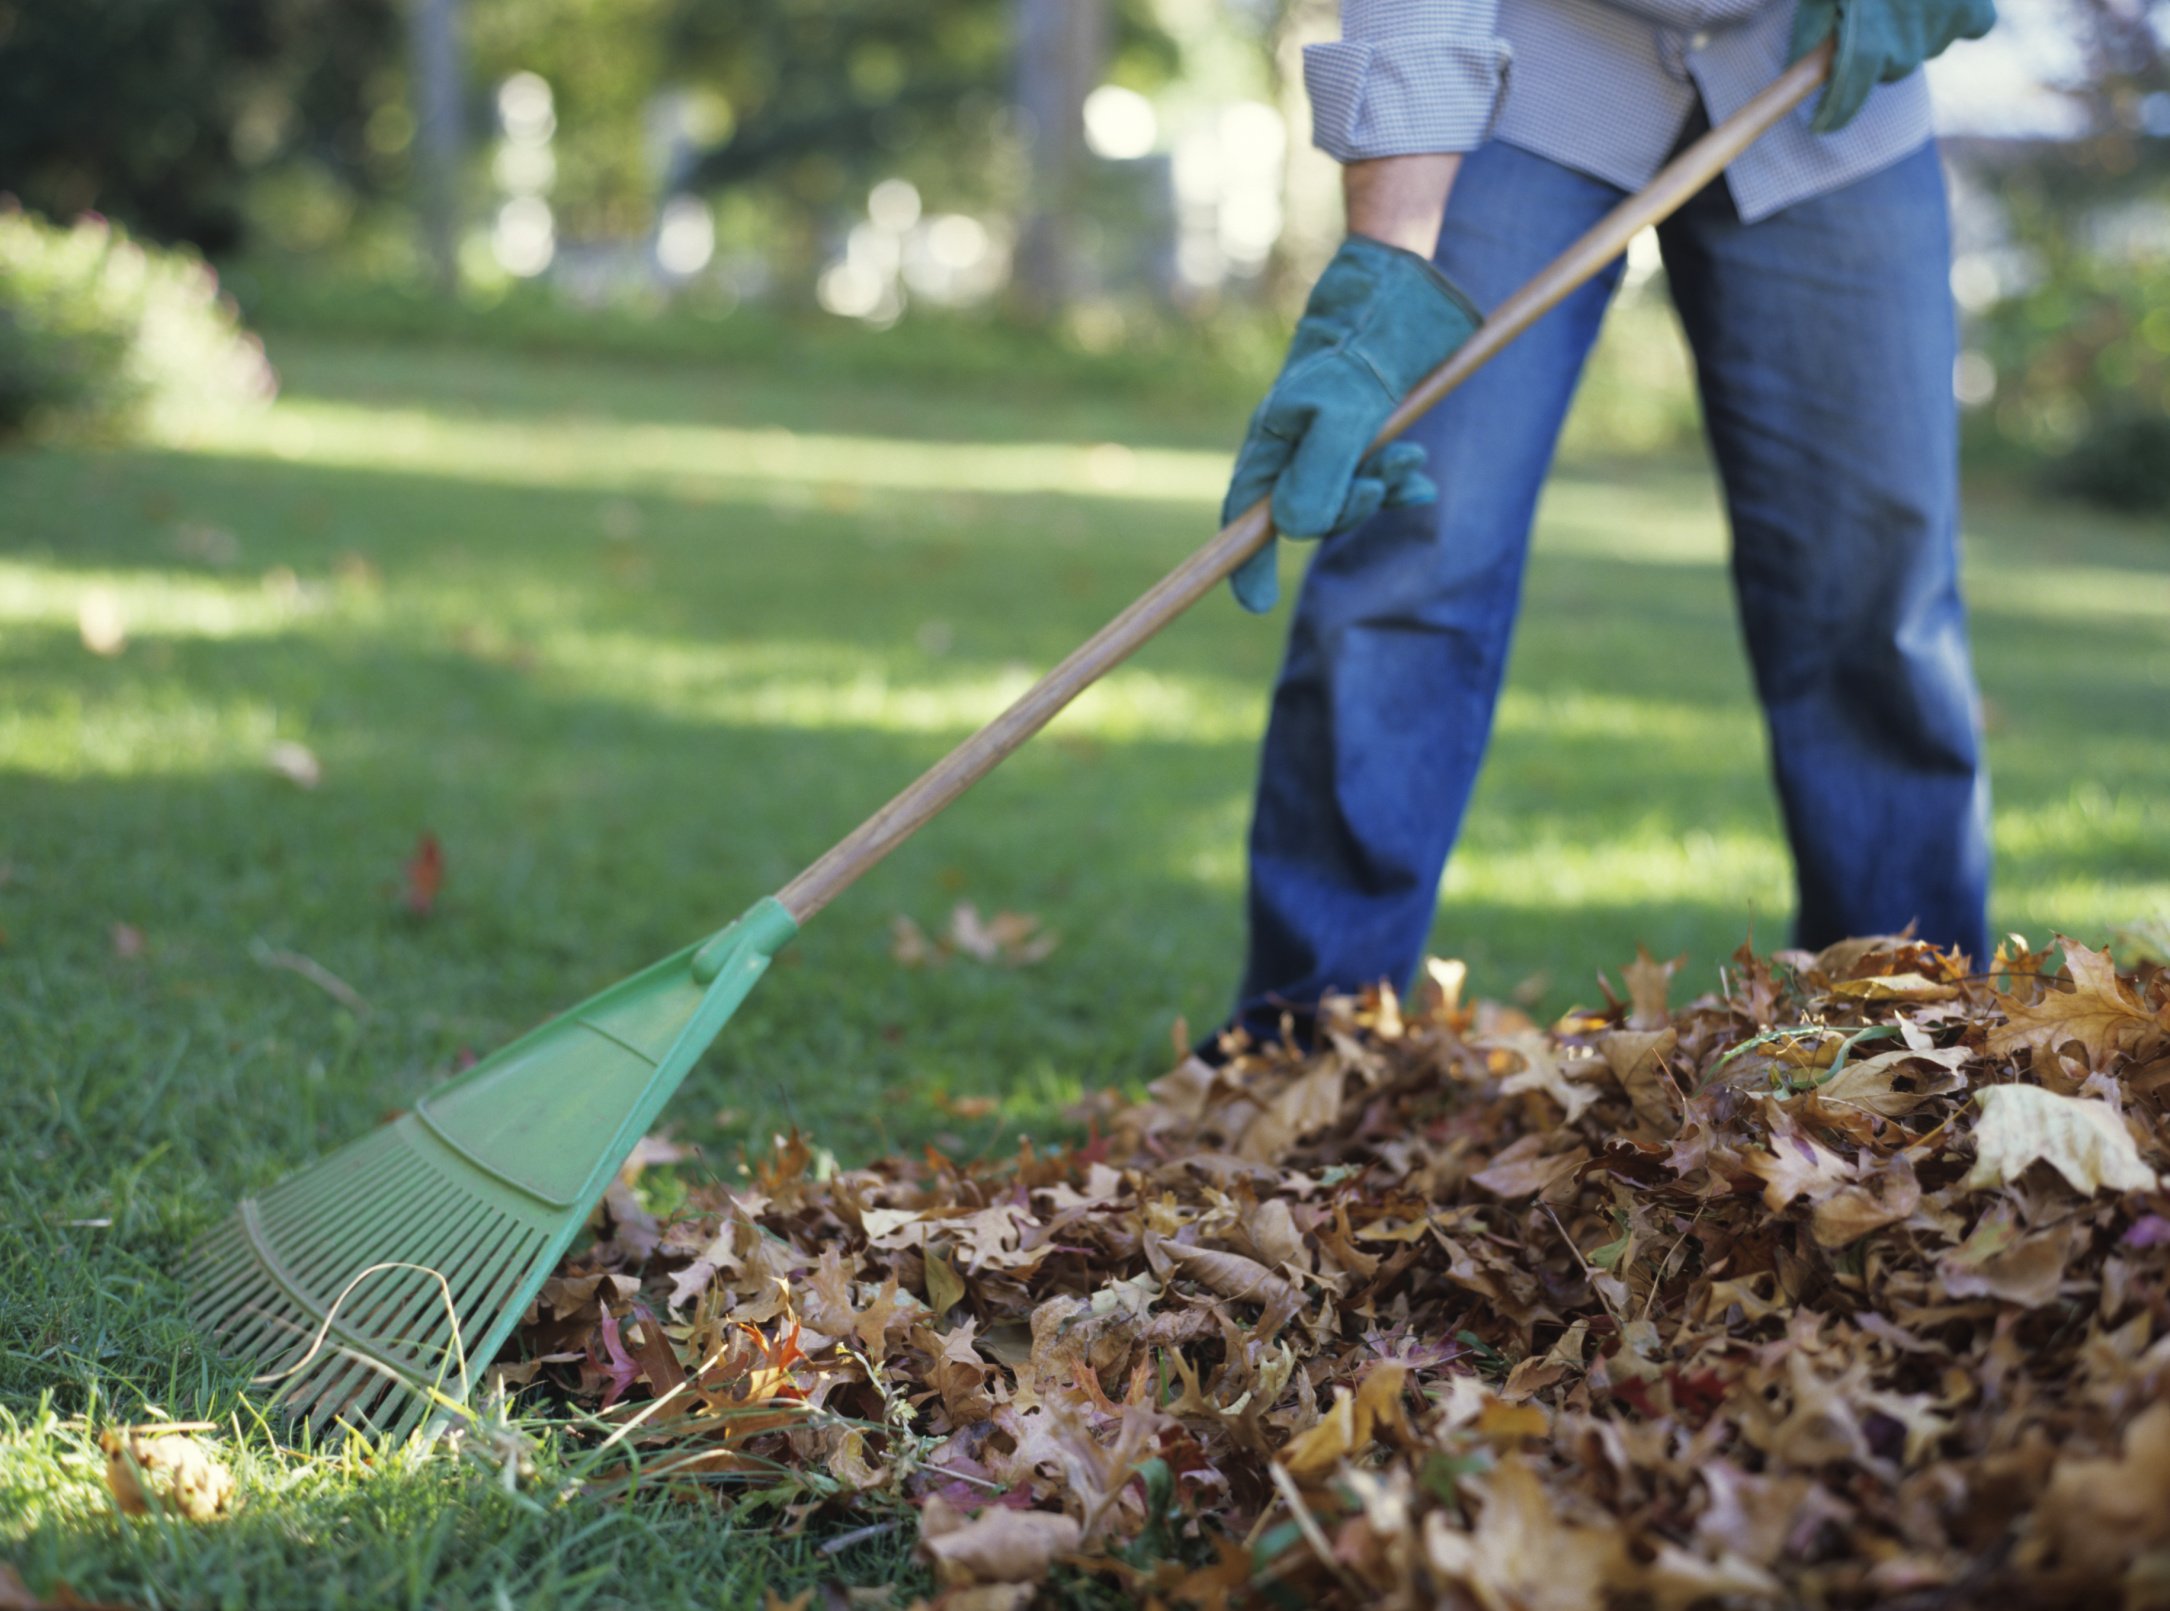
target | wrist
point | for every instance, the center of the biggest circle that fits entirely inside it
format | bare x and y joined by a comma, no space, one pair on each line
1400,201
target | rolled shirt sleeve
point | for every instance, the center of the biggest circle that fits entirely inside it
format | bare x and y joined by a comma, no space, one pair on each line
1407,76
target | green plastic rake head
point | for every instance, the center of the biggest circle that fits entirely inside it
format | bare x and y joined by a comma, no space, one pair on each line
393,1270
379,1282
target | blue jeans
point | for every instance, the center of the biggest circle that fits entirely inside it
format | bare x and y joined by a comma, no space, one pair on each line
1823,342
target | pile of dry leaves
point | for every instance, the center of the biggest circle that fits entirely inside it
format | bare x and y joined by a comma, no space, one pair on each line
1848,1286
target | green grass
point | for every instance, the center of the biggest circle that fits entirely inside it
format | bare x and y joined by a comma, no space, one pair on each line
638,643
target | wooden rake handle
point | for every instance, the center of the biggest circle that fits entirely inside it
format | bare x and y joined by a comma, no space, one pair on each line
1242,537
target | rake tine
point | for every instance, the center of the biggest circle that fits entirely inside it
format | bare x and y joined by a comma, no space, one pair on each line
364,1168
316,1395
365,1164
506,1287
286,1358
494,1293
419,1299
216,1281
269,1320
326,1239
264,1321
487,1295
413,1408
338,1396
338,1271
472,1292
446,1227
300,1394
286,1332
221,1246
311,1240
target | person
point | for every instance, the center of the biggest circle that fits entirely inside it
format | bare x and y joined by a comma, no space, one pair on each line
1480,137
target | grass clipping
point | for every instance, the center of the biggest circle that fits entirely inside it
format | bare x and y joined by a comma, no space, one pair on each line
1845,1287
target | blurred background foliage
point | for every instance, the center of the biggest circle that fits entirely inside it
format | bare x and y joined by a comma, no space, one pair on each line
1119,188
168,116
2067,286
98,333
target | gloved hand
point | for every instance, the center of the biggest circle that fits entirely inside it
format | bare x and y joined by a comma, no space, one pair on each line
1378,321
1880,42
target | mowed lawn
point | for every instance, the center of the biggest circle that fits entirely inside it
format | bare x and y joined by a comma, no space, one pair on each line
636,644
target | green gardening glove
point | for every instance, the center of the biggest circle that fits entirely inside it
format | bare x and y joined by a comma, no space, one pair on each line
1880,42
1378,321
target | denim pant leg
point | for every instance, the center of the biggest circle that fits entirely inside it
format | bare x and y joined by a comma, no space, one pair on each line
1400,633
1823,340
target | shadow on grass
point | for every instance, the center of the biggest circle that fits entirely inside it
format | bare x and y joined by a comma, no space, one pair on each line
534,386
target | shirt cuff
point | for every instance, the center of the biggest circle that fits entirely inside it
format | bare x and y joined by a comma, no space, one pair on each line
1400,96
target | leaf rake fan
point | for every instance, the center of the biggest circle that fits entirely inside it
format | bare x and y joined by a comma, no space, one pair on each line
369,1287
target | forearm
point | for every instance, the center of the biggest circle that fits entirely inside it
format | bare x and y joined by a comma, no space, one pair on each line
1400,200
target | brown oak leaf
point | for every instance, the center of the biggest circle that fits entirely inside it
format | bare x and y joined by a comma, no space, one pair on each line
2100,1012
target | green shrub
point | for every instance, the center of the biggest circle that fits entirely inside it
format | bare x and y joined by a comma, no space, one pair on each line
101,333
2122,462
2080,353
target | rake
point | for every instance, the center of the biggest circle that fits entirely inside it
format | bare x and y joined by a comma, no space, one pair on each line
370,1286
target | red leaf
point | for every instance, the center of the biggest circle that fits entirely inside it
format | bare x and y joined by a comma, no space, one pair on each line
623,1369
425,875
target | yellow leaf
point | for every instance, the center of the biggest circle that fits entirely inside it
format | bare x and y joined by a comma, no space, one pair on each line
883,1313
1522,1169
1271,1231
100,620
1680,1578
1012,939
1312,1102
2083,1139
848,1463
1350,1425
945,1288
909,945
1503,1422
164,1471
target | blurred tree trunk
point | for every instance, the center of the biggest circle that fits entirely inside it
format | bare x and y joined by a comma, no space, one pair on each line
440,133
1061,48
1311,187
